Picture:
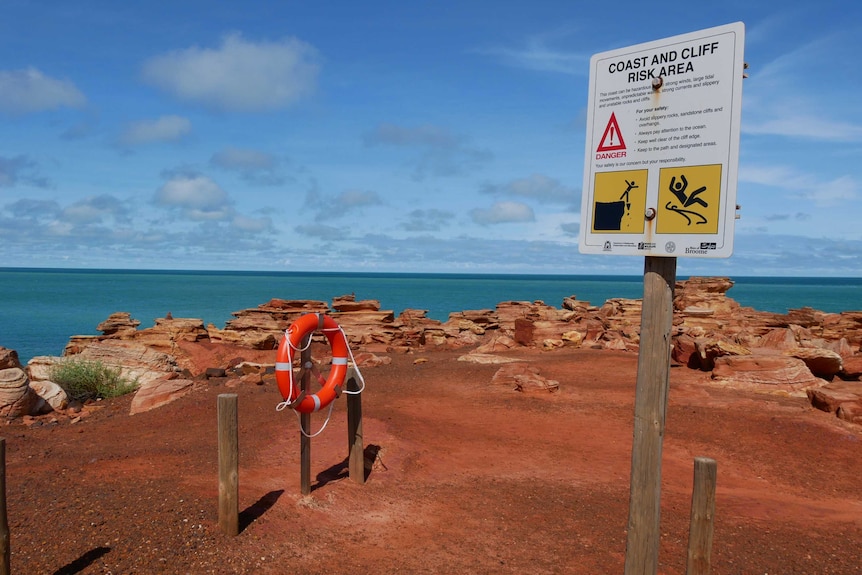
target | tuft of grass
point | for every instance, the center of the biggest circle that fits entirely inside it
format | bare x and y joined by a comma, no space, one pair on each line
83,379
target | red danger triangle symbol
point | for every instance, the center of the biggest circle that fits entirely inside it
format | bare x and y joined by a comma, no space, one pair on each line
612,139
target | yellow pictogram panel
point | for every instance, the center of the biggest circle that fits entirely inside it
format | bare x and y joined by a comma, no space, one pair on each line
689,200
619,202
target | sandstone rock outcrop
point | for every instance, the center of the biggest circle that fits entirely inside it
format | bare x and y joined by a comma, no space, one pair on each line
39,371
39,368
54,395
262,327
830,397
793,352
366,359
8,358
851,367
118,323
159,392
765,373
167,331
17,398
823,363
136,361
348,303
364,323
524,378
164,334
486,358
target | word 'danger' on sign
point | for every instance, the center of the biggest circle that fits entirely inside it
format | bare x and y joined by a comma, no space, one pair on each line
662,146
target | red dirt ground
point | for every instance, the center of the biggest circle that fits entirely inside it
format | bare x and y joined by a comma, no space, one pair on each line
468,478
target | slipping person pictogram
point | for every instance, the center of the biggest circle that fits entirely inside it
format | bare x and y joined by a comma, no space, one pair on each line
678,189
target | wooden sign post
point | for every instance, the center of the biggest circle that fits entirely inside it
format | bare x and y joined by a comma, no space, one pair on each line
305,419
660,177
702,517
228,464
653,380
356,449
5,549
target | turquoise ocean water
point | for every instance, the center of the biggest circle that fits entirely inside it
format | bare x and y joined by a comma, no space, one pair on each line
40,308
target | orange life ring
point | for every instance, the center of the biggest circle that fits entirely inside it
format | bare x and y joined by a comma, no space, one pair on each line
291,342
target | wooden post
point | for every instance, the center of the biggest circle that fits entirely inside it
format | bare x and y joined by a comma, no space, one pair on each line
702,517
651,393
356,458
305,420
5,551
228,464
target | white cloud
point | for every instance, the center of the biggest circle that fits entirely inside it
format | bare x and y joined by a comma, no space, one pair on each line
806,186
254,166
542,59
101,220
571,228
30,210
254,225
535,54
771,26
536,187
94,210
329,207
785,96
26,91
329,233
163,129
836,192
794,125
357,198
503,213
780,176
428,220
20,169
232,158
427,135
804,59
442,153
239,75
197,196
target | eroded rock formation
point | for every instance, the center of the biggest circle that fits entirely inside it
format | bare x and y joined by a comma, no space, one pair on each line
796,352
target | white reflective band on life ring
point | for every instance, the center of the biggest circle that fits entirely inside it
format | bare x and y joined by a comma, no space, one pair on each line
283,366
339,361
316,402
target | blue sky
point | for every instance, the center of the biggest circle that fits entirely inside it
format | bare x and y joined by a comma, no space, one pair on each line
391,136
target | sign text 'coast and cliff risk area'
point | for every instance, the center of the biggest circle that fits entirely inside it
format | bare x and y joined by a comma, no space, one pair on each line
662,146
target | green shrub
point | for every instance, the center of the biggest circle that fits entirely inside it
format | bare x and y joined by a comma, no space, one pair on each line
83,379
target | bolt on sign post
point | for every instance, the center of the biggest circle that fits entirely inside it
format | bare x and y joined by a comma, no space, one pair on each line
660,171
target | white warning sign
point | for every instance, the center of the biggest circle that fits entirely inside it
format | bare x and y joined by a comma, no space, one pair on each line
662,146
